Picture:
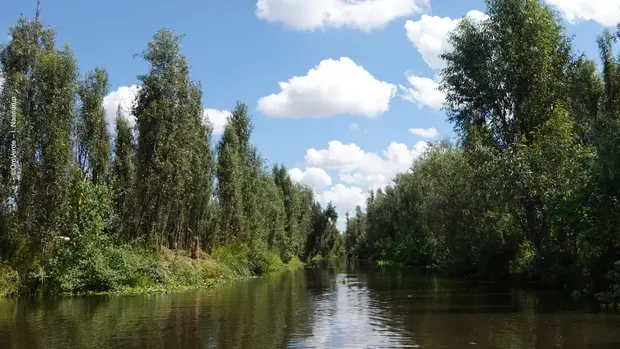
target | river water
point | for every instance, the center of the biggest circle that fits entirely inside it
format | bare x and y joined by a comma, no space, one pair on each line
334,305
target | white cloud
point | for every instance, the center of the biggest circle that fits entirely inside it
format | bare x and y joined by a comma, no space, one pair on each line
344,198
605,12
358,171
334,87
125,97
424,132
430,34
364,15
424,92
361,168
354,127
218,119
312,176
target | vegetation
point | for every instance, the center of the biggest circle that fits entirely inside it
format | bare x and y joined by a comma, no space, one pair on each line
153,206
530,188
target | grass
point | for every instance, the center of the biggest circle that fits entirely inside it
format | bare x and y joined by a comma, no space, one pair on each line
225,264
126,271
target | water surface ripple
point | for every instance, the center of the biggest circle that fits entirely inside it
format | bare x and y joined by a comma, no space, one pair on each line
331,306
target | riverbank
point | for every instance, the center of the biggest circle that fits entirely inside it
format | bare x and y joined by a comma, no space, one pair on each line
131,271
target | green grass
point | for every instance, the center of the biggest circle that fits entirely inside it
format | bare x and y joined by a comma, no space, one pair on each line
235,258
129,271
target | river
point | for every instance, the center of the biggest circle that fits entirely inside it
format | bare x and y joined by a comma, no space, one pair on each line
334,305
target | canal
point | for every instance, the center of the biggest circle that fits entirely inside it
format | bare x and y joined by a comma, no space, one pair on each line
332,305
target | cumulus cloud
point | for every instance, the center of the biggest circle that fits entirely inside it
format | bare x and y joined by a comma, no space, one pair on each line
344,198
125,97
218,119
365,169
359,171
423,92
605,12
429,36
424,132
312,176
364,15
334,87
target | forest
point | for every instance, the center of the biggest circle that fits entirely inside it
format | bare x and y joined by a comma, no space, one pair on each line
158,205
529,188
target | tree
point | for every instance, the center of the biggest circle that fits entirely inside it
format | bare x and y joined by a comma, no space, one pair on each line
506,72
123,171
170,138
93,141
43,80
230,186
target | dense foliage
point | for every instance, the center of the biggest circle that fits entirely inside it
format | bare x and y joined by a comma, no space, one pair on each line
84,210
530,189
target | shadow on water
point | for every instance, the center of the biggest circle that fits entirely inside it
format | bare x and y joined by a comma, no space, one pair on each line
331,305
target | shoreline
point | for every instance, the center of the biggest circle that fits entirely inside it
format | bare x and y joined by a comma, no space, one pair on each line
164,289
180,274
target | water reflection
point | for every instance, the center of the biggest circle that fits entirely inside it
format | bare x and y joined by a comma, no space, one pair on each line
374,308
345,316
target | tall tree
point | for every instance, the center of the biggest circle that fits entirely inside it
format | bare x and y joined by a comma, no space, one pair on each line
199,189
123,171
290,198
506,72
43,79
230,186
167,116
251,166
93,138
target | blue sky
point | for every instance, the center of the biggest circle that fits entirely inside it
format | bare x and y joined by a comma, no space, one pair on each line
373,65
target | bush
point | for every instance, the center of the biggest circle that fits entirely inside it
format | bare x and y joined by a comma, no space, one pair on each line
9,281
99,265
235,257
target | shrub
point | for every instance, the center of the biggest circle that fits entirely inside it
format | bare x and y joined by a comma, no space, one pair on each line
9,281
235,257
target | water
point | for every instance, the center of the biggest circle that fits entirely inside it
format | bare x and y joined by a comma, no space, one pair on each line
374,308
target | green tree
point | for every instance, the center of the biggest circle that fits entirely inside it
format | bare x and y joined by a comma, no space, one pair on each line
506,72
44,81
168,117
93,140
123,172
230,186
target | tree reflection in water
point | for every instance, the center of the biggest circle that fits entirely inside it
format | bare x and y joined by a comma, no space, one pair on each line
374,308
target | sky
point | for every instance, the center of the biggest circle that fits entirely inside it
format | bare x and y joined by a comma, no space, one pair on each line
342,92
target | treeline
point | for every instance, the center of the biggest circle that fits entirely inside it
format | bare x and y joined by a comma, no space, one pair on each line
81,208
531,188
